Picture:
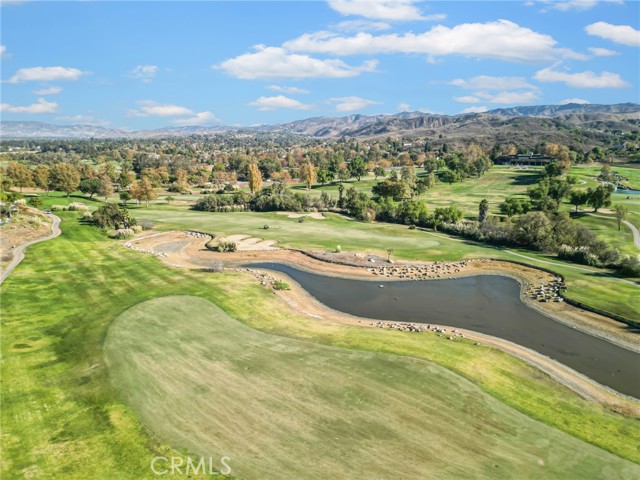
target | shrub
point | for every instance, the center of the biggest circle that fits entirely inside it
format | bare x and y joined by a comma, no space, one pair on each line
146,224
281,286
338,248
227,246
87,216
630,266
77,207
59,208
122,233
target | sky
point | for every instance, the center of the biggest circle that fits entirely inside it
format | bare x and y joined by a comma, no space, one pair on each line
152,64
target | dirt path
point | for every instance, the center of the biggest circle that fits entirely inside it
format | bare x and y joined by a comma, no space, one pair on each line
18,252
634,230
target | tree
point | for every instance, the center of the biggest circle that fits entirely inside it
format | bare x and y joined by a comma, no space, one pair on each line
105,186
450,176
41,177
112,216
621,213
35,202
514,206
65,178
308,174
379,172
143,191
20,175
89,186
578,198
599,197
125,196
357,168
483,210
255,178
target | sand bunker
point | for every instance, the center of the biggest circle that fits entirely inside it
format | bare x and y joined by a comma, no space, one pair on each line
248,243
316,215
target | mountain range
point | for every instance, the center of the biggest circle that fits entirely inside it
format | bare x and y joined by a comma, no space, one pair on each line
523,121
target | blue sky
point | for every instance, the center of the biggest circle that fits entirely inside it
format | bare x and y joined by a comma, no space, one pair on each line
140,65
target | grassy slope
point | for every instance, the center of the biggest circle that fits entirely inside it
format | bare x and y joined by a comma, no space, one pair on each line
61,418
284,407
607,293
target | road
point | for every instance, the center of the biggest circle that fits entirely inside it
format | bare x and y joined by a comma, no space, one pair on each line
18,252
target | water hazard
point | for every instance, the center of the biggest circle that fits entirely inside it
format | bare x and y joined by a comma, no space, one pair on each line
487,304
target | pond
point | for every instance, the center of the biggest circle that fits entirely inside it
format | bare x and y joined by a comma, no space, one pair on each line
488,304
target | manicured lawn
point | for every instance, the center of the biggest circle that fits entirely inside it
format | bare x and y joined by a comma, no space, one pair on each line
281,407
62,419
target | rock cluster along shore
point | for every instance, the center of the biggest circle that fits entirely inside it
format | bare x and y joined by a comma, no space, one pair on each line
145,250
412,327
193,234
421,272
265,279
549,292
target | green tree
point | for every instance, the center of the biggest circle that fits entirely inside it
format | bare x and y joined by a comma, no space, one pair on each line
621,213
379,172
483,210
89,186
64,178
514,206
599,197
125,196
20,175
35,202
357,168
578,198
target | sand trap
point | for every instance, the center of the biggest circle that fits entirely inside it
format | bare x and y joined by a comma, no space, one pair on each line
316,215
247,243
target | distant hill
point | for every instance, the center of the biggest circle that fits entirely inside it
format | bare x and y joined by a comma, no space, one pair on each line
522,125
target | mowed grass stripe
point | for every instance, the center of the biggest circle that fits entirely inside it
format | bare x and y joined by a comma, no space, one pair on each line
285,408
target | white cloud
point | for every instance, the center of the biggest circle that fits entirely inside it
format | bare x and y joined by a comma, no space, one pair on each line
53,90
289,90
501,90
200,118
3,51
278,102
275,62
623,34
475,110
467,99
579,101
351,104
486,82
602,52
586,79
404,107
84,120
360,25
42,106
393,10
566,5
144,73
502,40
149,108
46,74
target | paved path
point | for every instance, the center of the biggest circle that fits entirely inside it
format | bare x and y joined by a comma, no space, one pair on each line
634,230
18,252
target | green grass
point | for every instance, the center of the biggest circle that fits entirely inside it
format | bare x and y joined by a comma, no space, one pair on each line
61,417
281,407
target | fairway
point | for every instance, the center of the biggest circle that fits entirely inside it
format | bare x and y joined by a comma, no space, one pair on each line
285,408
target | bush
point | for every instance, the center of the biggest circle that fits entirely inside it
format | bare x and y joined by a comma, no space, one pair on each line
87,216
281,286
630,266
122,233
338,248
227,246
114,217
146,224
77,207
59,208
